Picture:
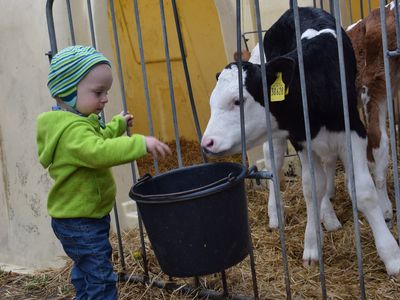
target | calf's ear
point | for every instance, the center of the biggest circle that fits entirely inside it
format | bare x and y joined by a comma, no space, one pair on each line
285,65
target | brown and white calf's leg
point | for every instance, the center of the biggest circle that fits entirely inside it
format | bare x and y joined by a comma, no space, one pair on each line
368,204
310,253
280,147
378,150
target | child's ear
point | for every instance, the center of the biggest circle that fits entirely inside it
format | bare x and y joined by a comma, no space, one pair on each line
285,65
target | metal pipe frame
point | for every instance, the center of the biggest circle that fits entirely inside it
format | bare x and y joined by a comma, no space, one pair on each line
243,135
276,181
253,173
170,83
184,289
389,98
349,162
316,216
144,75
187,77
71,23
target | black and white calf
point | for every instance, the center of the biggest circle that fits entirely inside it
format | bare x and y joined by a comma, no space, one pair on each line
222,135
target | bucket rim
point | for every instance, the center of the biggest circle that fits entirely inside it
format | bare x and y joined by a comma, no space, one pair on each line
189,196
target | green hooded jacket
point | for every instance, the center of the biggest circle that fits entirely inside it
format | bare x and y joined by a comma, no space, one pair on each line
79,155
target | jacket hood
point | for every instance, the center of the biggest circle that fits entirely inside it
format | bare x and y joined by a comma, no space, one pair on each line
50,127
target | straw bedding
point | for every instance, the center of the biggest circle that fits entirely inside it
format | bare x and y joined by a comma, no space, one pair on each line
341,274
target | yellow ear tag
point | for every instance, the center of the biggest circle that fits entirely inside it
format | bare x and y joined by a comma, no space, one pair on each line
278,91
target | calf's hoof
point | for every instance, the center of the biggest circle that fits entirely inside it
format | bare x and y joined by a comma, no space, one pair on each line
273,223
331,224
310,263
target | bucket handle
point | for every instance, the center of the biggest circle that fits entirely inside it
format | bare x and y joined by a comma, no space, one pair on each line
230,178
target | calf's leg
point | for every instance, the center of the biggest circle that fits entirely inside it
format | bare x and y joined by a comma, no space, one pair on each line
368,204
280,147
310,254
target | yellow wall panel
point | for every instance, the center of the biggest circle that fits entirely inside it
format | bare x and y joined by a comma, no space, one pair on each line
355,6
205,56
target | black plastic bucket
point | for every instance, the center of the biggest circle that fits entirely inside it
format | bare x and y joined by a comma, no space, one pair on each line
195,217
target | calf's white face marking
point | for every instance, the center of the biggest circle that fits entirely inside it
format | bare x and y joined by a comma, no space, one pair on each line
223,135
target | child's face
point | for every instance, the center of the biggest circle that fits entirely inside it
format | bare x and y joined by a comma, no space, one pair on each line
93,90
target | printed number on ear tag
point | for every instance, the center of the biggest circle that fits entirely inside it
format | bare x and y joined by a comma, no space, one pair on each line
278,89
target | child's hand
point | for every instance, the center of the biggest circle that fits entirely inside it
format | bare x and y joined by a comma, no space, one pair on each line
128,118
156,147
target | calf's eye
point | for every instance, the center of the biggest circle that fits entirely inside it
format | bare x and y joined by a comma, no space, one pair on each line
237,102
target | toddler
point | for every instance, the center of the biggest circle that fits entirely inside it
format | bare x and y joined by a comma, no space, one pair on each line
79,150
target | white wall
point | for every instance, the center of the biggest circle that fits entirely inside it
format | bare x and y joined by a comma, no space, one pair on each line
25,234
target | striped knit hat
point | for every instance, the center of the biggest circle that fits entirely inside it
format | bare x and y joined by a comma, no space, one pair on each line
67,69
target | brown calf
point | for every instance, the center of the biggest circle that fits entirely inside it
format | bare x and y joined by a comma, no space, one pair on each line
366,37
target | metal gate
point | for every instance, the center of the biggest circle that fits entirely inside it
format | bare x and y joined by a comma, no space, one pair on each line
334,9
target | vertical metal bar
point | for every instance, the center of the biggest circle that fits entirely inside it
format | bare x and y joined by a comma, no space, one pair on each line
240,78
71,23
321,4
243,135
51,30
369,6
171,85
389,99
309,149
122,87
144,75
396,14
143,248
117,224
314,4
349,162
91,24
120,247
187,76
331,7
362,8
275,179
291,3
351,12
224,284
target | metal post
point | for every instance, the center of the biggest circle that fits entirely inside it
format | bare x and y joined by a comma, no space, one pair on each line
309,149
71,23
122,87
351,12
91,25
389,99
362,8
332,7
243,134
144,75
271,151
170,83
240,78
224,284
349,162
396,14
187,76
50,27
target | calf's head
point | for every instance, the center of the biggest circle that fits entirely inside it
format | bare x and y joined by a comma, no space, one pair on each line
223,135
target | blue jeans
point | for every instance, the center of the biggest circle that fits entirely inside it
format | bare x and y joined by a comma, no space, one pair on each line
86,242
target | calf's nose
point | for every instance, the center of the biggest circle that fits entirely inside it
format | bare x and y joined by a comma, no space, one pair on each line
207,143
